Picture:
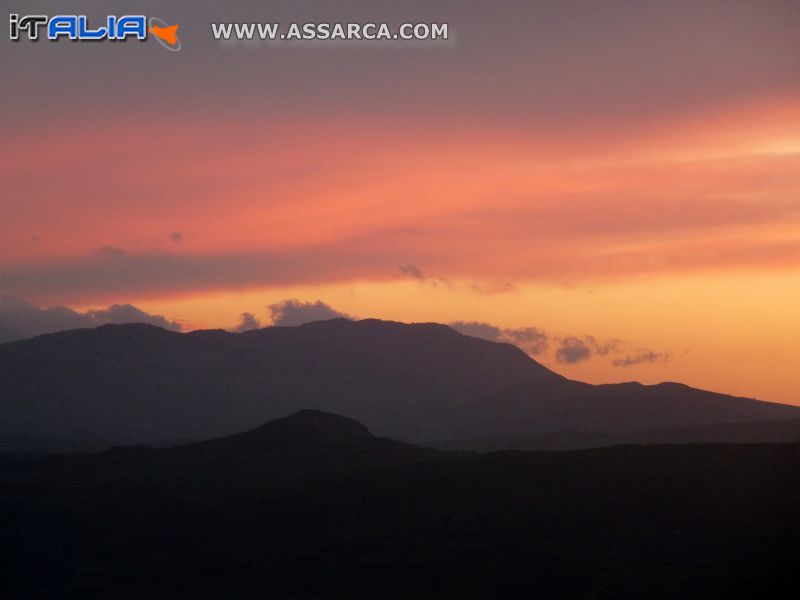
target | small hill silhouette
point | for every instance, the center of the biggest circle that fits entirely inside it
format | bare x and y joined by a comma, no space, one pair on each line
304,427
308,440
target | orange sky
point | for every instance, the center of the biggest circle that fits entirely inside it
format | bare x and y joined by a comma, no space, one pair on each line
671,228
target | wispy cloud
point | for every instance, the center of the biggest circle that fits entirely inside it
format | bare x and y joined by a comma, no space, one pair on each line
567,350
573,350
532,340
642,356
412,271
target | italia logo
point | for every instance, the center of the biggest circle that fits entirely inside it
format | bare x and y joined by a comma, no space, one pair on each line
78,28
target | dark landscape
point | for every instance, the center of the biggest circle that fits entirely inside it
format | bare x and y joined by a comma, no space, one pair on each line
420,383
314,506
104,492
400,300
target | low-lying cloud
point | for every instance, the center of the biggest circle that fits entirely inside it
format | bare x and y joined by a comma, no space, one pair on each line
248,322
643,356
573,350
294,312
20,319
532,340
566,350
289,313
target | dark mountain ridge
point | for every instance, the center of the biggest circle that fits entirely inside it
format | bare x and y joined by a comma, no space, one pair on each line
423,382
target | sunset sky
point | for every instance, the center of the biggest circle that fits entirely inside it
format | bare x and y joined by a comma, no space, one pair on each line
622,176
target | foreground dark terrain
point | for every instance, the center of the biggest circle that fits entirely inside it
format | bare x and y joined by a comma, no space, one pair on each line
314,506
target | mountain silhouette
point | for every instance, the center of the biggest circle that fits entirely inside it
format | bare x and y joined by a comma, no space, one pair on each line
139,383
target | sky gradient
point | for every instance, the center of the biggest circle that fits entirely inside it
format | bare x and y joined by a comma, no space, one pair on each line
623,177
